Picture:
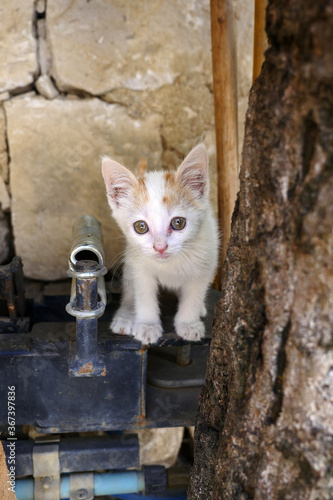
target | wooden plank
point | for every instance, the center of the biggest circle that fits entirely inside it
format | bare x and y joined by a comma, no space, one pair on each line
225,100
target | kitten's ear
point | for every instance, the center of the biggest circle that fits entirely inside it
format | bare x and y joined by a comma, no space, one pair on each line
119,181
193,172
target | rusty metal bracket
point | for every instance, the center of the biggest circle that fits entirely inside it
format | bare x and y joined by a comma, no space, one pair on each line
81,486
46,470
13,294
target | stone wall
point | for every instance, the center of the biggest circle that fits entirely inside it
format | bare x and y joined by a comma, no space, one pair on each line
81,79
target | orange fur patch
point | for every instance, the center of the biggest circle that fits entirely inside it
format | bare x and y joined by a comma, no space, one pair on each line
176,193
140,192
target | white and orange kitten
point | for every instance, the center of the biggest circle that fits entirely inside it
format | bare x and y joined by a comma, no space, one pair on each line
172,241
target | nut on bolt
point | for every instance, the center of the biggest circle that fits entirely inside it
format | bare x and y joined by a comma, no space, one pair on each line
81,494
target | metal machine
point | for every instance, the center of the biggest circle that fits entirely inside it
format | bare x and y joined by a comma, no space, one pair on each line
65,378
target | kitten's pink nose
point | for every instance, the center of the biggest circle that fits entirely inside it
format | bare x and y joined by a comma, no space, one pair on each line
160,247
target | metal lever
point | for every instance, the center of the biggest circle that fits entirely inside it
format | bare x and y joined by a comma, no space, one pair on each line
86,267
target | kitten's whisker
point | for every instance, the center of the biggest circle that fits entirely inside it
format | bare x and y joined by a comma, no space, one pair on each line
115,264
116,261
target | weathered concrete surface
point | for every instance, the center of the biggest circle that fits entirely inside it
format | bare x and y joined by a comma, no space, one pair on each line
17,45
55,149
264,427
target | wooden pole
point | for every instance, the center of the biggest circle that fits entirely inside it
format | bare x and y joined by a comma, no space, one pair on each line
260,39
225,100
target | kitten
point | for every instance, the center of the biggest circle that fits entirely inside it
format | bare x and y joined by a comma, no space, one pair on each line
172,241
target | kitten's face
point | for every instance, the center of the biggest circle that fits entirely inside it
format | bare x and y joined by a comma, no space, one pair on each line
161,211
162,222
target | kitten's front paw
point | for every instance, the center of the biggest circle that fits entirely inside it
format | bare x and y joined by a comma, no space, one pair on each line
121,325
203,311
147,334
191,331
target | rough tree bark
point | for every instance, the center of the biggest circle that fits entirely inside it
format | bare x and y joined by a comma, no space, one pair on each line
265,420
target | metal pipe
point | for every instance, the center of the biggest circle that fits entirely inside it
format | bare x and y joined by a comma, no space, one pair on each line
86,267
87,245
86,300
109,483
86,360
87,240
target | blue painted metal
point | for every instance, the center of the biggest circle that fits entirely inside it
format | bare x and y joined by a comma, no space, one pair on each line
78,454
121,482
24,489
37,364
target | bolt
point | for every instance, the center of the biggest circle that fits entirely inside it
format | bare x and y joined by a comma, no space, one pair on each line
82,494
46,482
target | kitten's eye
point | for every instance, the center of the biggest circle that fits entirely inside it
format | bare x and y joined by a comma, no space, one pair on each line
140,226
178,223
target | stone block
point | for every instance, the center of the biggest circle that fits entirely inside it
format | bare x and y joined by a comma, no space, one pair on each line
188,118
56,175
160,446
101,46
17,45
45,87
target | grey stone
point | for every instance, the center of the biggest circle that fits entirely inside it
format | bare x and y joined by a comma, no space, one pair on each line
40,6
4,96
100,46
188,118
56,176
18,45
160,446
45,87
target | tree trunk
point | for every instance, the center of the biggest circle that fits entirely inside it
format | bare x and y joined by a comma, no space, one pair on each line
265,419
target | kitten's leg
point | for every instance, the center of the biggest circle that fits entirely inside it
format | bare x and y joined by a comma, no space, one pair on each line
147,326
123,319
191,307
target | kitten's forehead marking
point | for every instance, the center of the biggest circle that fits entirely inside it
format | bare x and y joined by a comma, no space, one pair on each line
176,193
170,197
140,191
